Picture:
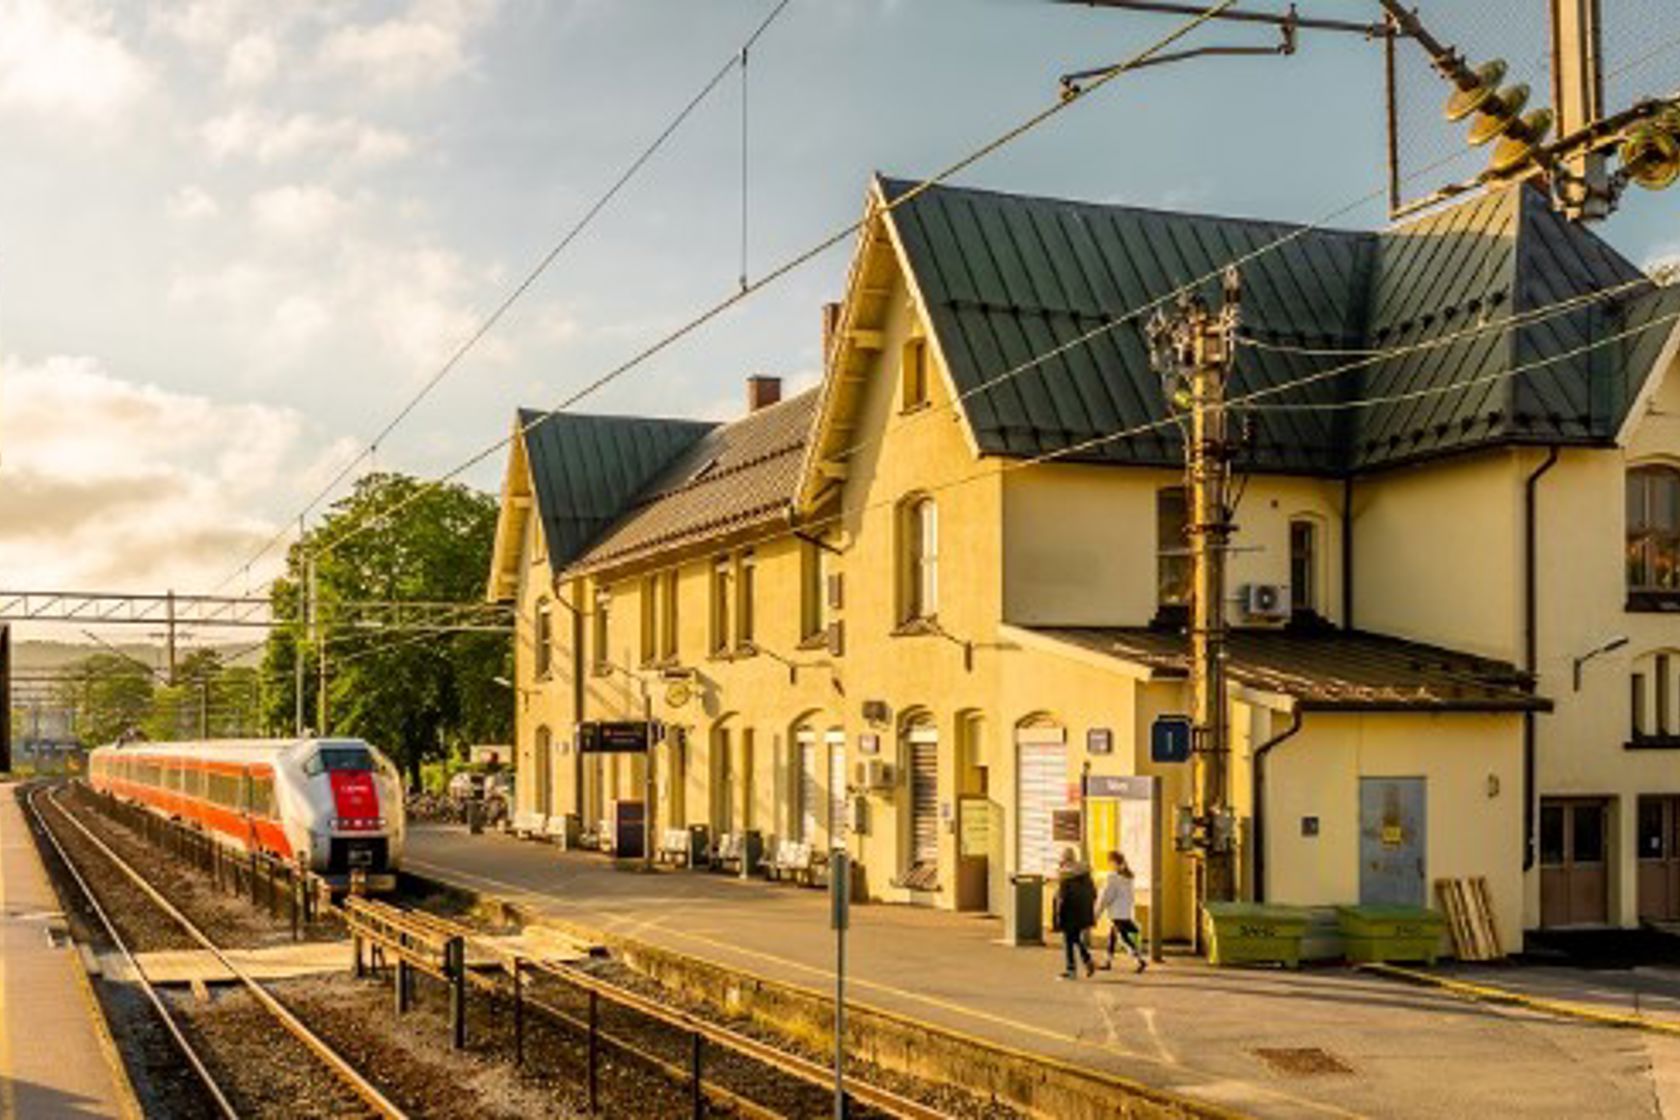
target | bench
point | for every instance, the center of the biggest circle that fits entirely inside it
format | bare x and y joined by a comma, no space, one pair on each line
731,850
673,847
796,861
529,823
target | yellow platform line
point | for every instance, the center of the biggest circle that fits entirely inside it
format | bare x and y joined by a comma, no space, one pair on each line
1489,993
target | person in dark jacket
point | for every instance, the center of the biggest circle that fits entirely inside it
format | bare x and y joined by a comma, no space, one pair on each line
1074,911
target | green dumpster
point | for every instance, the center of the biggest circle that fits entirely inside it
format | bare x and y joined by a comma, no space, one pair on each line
1372,934
1253,933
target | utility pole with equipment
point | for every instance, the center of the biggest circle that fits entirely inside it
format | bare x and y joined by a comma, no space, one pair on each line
1193,350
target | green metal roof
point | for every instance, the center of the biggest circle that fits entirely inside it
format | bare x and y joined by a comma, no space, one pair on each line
586,469
1008,278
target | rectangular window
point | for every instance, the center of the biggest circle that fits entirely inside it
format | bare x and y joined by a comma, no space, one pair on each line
1663,723
813,591
1551,835
720,604
744,599
602,622
1303,565
1588,839
914,374
1652,834
543,639
1638,699
650,618
1172,548
668,615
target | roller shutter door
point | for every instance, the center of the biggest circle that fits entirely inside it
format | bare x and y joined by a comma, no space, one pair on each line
1042,790
836,789
924,797
810,794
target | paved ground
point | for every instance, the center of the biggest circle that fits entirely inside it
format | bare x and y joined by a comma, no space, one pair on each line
53,1062
1411,1052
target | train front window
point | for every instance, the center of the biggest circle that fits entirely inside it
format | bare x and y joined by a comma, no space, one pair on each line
339,758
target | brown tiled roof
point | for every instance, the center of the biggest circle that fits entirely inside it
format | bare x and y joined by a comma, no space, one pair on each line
1330,669
736,476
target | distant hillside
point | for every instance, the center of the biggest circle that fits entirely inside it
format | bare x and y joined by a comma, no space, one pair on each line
36,654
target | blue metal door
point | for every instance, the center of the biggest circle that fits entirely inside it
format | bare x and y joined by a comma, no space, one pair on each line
1391,842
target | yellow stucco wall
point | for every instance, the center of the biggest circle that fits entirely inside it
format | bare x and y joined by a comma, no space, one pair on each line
1438,553
1462,758
1437,558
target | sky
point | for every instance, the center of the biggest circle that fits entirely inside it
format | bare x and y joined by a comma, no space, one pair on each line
235,237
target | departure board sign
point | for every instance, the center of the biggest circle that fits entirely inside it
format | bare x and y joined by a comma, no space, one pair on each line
616,736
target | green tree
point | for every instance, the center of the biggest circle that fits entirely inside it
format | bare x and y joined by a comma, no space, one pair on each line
209,699
110,694
415,695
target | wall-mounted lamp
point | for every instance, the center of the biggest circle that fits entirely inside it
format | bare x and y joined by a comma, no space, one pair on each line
1615,643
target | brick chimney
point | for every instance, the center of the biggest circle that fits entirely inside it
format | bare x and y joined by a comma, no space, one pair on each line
830,323
762,391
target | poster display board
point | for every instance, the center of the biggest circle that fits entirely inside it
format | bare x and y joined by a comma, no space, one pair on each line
1122,814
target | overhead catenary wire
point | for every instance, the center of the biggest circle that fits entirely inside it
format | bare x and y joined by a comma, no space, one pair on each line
786,267
630,171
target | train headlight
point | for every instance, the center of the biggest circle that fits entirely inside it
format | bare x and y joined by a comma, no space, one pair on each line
358,824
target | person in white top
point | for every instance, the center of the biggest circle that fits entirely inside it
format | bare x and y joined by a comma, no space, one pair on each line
1117,903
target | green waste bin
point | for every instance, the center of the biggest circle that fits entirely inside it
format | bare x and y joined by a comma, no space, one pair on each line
1372,934
1254,933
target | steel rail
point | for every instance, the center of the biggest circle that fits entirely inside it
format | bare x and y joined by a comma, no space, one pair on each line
821,1076
146,987
743,1105
346,1073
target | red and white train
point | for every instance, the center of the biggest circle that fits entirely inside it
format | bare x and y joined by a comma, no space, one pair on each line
335,804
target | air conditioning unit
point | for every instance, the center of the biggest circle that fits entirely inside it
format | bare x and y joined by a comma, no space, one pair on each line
1264,601
873,774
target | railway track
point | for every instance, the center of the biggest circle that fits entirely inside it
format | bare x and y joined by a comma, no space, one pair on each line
718,1066
350,1093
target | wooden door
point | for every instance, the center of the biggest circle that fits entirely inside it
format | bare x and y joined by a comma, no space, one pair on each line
1657,841
1574,873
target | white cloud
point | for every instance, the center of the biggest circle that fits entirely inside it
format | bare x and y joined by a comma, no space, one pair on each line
296,211
134,485
425,44
192,203
61,58
268,138
252,61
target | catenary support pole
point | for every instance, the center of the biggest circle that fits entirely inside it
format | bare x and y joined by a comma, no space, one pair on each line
1194,350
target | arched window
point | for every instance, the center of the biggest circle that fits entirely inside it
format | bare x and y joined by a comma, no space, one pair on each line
544,639
918,559
1653,529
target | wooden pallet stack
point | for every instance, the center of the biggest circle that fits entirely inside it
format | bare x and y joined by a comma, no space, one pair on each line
1468,905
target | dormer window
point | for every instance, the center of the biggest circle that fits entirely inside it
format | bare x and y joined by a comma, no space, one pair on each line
913,378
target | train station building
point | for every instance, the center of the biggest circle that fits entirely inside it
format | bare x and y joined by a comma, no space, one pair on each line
933,609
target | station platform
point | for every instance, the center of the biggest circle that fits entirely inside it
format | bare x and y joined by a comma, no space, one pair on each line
1320,1042
56,1059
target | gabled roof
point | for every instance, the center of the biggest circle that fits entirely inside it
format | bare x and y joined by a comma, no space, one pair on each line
586,469
738,476
1006,279
1328,670
581,471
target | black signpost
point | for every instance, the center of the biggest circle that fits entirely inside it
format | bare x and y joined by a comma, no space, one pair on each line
630,736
